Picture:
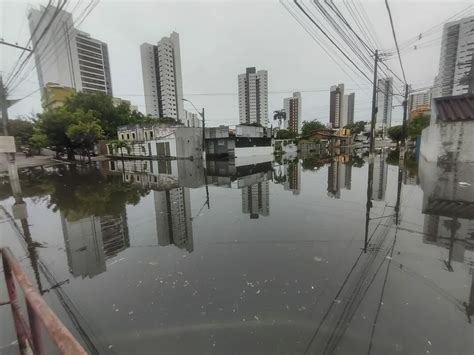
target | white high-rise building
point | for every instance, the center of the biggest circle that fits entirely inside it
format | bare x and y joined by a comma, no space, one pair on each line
341,107
192,119
336,102
384,105
162,78
419,100
292,107
253,97
66,56
456,74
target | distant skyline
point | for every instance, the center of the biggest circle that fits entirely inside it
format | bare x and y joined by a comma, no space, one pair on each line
219,39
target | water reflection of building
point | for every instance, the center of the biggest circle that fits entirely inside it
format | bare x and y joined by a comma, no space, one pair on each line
170,180
293,177
339,175
410,178
160,174
448,206
252,175
256,200
90,241
173,218
380,176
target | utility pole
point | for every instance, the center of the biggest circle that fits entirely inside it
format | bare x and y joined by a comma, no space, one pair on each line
374,105
203,132
4,105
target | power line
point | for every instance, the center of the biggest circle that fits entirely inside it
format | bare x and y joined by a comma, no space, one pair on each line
48,53
22,65
338,61
331,40
395,39
29,41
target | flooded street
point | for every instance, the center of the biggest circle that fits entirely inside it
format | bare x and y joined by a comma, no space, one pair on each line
264,257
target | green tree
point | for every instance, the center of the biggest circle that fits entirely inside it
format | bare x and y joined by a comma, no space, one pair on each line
393,157
396,133
417,124
310,126
102,106
357,161
54,125
21,129
85,133
312,163
280,116
285,134
356,127
38,141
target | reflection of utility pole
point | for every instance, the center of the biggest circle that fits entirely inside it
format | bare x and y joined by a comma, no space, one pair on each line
374,105
399,190
207,188
470,306
453,227
368,206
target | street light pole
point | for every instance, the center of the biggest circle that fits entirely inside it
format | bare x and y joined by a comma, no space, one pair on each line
203,124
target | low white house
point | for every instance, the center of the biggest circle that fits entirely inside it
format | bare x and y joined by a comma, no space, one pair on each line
159,141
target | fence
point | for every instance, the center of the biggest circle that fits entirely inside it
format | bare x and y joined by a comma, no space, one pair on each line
40,316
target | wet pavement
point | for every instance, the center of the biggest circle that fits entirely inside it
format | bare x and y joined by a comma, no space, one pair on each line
251,256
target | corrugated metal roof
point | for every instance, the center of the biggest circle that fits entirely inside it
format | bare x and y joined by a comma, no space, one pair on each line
455,108
448,208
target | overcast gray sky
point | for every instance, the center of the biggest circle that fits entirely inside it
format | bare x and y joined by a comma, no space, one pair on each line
219,39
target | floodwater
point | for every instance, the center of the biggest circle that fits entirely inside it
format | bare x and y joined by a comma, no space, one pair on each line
253,256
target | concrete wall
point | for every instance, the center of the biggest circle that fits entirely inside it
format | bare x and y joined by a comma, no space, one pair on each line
249,131
188,142
217,132
253,151
452,141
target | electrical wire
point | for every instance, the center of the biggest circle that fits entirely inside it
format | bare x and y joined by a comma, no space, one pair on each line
395,39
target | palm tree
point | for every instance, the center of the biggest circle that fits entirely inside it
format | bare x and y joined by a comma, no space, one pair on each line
119,144
279,115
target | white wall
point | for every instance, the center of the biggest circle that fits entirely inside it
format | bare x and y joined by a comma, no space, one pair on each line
456,138
253,151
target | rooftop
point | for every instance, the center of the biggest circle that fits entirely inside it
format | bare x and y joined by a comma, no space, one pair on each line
455,108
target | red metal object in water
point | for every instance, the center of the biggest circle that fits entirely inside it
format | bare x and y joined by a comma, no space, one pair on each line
39,313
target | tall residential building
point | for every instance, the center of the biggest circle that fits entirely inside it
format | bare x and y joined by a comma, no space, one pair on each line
341,107
253,97
419,103
336,102
191,119
256,200
350,99
173,218
162,78
456,73
292,107
65,56
384,105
